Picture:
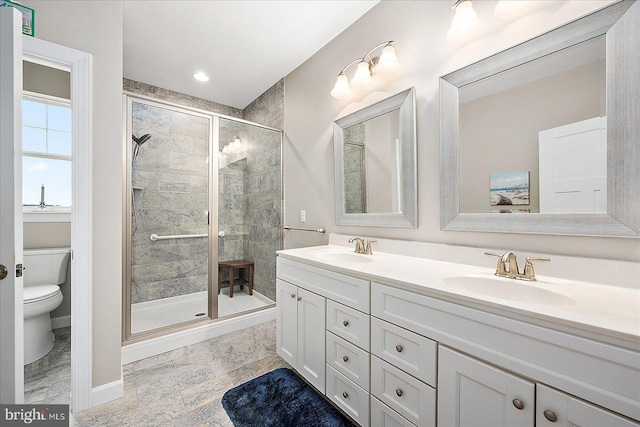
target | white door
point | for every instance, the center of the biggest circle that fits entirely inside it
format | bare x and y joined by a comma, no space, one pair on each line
556,409
287,322
11,336
474,394
573,167
311,339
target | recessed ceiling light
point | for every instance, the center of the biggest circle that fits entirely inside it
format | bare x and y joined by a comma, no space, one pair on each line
201,77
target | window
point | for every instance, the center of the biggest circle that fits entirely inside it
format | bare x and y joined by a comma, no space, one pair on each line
46,156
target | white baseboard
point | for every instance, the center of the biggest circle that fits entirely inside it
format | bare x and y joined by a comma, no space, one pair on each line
60,322
153,346
107,392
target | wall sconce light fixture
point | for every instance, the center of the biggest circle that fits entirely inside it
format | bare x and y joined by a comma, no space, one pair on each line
465,21
232,145
368,66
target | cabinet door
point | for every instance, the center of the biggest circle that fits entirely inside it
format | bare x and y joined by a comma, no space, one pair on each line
287,322
472,393
555,408
311,340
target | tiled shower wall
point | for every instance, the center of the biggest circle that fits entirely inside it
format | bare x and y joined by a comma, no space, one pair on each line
170,196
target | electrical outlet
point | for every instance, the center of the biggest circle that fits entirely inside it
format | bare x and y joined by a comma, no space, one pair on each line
303,216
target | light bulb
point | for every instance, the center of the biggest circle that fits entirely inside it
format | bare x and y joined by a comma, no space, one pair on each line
341,89
225,149
465,22
388,62
511,8
236,143
201,77
362,77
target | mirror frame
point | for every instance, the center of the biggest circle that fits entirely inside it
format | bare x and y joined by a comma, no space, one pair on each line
408,217
620,23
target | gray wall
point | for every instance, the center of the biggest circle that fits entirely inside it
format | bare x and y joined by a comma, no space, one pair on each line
419,29
95,27
171,193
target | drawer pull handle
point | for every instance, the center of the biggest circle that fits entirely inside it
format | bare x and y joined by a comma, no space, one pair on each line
399,392
345,358
345,394
550,415
399,348
519,404
299,298
293,295
345,322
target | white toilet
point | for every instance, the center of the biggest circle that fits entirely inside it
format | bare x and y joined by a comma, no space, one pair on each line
44,271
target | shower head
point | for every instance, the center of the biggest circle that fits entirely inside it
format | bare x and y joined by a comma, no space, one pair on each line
144,138
139,141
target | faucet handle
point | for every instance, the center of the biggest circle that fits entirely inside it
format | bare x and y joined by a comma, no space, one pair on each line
368,250
500,268
528,273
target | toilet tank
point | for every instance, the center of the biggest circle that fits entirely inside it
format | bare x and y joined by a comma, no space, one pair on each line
45,266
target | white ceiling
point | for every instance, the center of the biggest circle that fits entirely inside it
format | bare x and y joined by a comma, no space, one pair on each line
244,46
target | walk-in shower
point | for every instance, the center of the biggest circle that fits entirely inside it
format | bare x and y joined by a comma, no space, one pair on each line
205,203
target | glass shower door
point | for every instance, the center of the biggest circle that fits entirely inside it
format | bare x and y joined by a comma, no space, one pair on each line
169,224
249,215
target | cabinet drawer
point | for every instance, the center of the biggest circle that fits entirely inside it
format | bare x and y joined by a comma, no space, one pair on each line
349,360
348,396
350,324
383,416
338,287
410,352
411,398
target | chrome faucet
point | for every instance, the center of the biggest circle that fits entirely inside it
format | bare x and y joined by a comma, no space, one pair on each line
509,258
359,244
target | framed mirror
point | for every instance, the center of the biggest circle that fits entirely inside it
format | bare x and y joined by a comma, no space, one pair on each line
375,164
542,138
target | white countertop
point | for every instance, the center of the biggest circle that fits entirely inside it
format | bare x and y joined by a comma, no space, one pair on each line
602,312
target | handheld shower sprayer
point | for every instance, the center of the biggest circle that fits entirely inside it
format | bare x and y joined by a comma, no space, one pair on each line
139,141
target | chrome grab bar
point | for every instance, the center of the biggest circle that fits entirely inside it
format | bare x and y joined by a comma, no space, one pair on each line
155,237
316,230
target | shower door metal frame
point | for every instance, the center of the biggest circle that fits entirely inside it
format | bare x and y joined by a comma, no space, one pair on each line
212,276
214,133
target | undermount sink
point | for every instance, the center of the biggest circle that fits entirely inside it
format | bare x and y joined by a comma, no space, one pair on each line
508,289
340,256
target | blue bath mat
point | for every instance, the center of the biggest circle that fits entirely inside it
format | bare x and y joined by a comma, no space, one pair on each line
280,398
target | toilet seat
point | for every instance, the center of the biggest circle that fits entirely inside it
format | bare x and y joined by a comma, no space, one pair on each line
39,292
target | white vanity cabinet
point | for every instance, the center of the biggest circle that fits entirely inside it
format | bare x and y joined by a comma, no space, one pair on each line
389,356
557,409
473,393
323,332
301,319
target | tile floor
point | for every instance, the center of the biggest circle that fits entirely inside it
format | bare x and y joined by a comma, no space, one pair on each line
182,387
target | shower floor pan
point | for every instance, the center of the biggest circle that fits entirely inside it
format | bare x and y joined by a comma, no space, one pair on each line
155,314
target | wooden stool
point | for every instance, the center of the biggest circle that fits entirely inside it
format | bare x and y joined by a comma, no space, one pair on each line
232,265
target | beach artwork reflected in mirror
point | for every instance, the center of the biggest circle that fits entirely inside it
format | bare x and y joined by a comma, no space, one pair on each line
509,189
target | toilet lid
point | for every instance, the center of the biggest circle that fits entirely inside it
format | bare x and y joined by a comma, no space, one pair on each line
39,292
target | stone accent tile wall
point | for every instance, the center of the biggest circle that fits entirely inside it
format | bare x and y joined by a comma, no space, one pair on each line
179,98
268,108
170,177
355,192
